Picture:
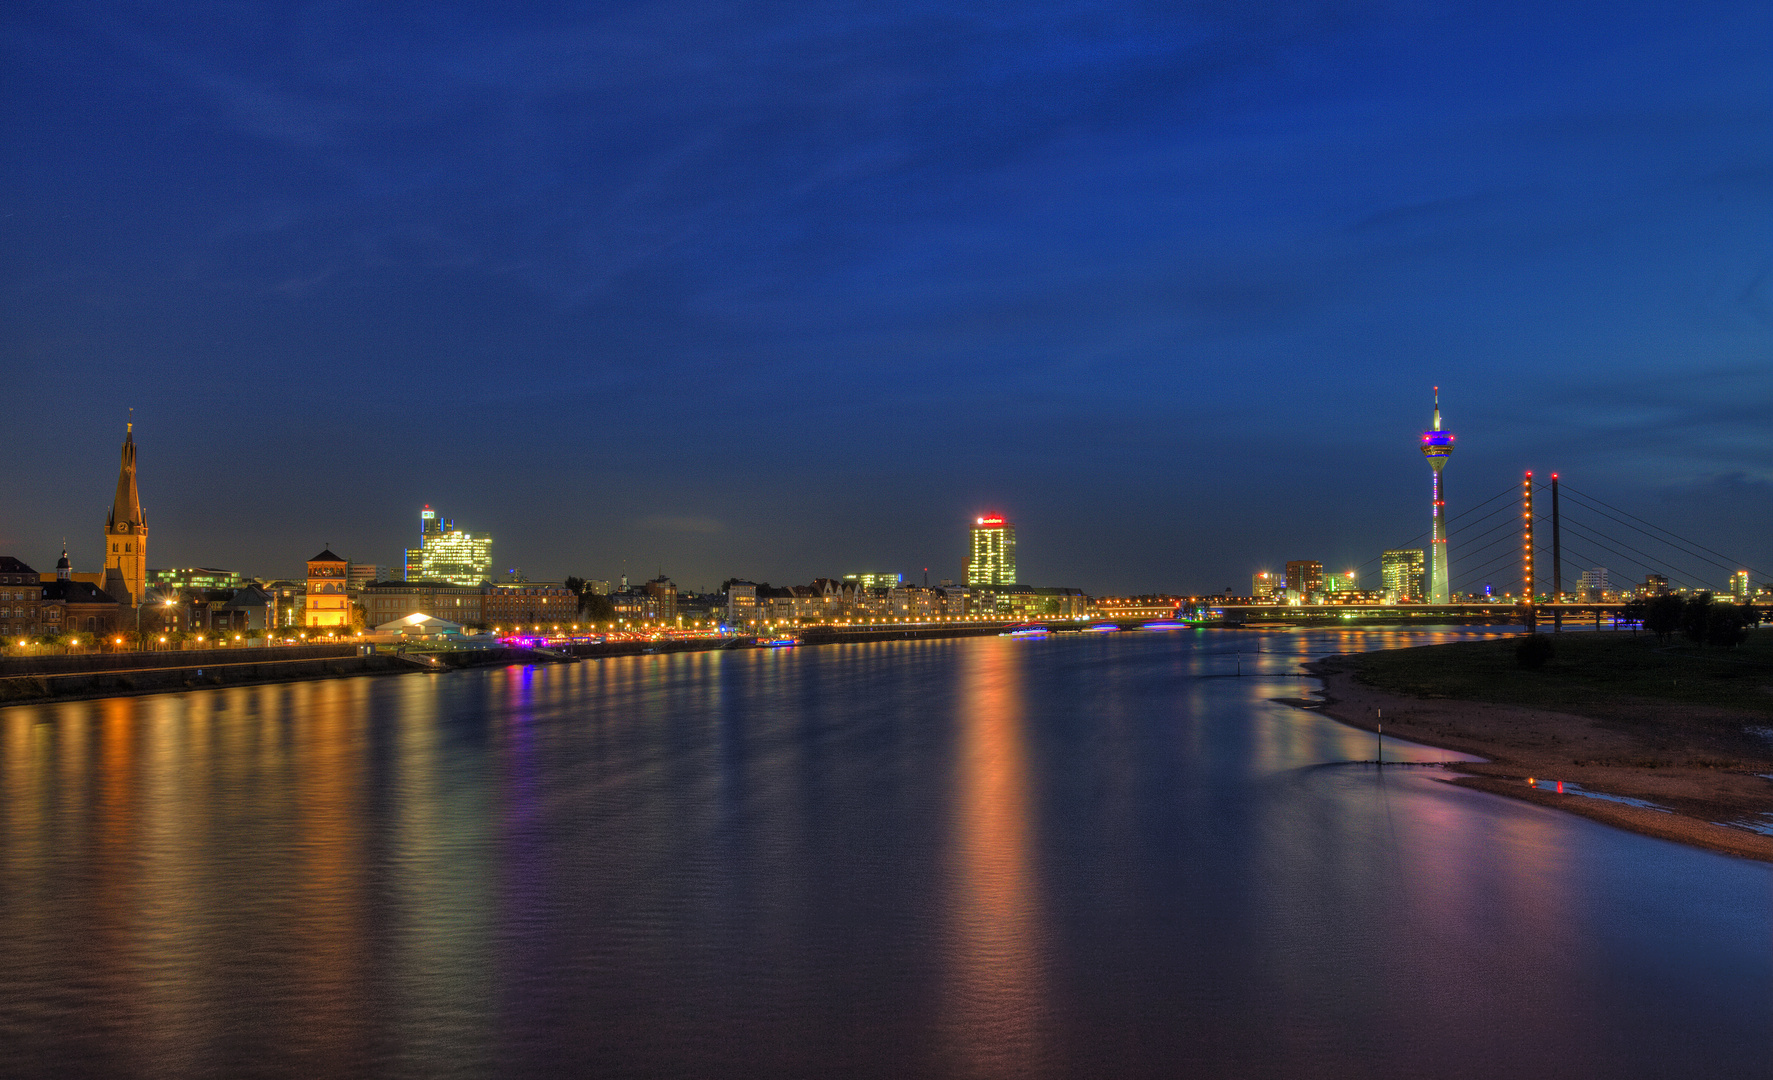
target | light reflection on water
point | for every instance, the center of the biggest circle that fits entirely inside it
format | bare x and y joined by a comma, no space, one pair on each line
995,1007
1098,855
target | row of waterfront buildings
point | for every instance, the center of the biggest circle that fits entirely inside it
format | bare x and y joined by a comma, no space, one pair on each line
448,577
1405,579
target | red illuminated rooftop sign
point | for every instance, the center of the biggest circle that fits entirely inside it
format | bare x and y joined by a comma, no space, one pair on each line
991,519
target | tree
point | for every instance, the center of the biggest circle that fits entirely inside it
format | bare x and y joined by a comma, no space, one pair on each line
1695,616
596,607
1726,626
1662,615
1533,651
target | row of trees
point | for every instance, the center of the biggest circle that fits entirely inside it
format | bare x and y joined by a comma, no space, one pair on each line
593,607
1702,619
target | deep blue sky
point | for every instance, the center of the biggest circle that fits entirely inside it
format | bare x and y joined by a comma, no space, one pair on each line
794,290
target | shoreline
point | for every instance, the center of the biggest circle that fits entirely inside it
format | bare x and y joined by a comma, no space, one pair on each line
216,671
1519,742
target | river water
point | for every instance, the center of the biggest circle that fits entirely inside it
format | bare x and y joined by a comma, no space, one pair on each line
1081,856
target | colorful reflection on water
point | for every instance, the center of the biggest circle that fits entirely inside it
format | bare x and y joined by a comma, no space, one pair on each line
1095,854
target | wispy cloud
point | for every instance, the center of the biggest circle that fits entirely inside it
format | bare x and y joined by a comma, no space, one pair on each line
680,525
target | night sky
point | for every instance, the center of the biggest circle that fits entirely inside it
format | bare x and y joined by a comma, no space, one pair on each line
794,290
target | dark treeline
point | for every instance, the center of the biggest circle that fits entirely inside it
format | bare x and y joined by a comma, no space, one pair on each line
1702,619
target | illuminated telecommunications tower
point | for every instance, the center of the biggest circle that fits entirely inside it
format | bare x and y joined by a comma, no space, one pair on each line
1437,447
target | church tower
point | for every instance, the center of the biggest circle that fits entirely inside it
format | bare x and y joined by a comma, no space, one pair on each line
126,534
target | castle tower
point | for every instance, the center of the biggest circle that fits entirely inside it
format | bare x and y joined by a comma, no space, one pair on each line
328,601
126,532
1437,446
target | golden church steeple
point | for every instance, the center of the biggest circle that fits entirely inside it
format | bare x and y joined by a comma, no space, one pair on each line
126,531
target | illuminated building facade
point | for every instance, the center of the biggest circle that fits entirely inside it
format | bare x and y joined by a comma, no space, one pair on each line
1305,577
876,581
662,591
741,603
1265,585
126,531
529,603
328,604
446,553
1345,582
20,589
385,601
1739,586
194,577
993,558
1593,584
1400,573
1437,447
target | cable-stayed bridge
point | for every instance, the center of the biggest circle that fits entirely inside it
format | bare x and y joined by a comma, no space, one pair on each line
1508,556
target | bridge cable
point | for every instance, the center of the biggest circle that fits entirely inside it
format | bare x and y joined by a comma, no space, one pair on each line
1652,567
1510,489
1727,564
1597,535
1726,567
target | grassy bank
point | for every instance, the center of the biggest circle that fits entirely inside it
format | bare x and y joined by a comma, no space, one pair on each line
1676,726
1606,675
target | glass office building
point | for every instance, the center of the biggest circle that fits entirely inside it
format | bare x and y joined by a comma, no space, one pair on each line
993,558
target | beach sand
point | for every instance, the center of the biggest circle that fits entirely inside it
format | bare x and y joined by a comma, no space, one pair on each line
1678,757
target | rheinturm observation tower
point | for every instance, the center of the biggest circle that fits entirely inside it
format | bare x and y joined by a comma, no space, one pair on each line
1437,447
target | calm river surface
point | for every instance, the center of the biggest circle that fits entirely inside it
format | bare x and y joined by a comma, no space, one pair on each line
1097,855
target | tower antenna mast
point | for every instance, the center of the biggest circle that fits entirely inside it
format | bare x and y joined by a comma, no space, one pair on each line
1437,447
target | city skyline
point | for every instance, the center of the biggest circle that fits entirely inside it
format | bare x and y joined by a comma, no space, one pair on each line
709,313
714,719
464,554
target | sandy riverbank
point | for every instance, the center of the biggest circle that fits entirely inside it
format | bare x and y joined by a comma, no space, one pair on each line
1701,780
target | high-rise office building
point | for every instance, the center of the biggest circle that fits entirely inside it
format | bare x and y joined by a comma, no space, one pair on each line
1306,578
446,553
1401,574
1739,586
126,532
1345,582
1437,446
1264,584
1593,584
993,561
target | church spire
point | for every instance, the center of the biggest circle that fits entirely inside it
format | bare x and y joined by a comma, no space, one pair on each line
127,506
126,532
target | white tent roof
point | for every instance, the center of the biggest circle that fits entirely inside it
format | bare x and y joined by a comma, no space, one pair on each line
419,624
